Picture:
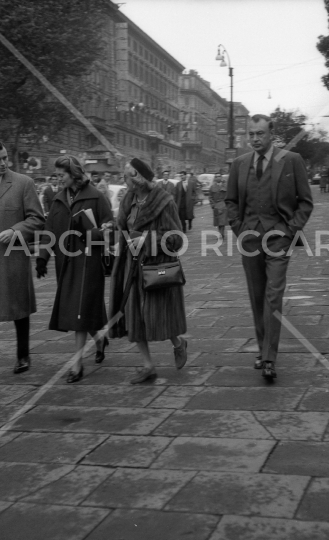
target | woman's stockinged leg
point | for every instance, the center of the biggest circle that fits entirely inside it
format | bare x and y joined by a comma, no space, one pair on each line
143,348
80,341
98,342
176,341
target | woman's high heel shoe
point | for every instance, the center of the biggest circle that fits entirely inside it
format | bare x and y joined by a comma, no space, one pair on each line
75,377
100,355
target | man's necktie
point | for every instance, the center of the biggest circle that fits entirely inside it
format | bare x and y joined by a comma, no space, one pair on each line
259,168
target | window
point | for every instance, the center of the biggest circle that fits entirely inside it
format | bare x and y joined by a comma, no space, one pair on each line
141,50
136,143
146,54
129,42
142,145
156,62
124,140
135,46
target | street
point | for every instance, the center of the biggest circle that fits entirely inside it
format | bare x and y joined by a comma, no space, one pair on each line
211,452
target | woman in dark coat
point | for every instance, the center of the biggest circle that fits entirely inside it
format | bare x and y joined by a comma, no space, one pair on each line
79,303
154,315
217,194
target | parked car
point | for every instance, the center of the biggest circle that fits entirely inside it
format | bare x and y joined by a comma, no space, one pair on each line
206,180
117,192
316,179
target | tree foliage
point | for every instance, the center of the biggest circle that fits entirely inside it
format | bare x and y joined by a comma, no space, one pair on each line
313,147
62,39
323,47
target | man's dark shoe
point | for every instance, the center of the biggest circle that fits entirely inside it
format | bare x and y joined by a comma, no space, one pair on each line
258,362
268,370
23,364
100,355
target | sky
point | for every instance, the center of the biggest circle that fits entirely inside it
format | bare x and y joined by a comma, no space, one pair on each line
271,44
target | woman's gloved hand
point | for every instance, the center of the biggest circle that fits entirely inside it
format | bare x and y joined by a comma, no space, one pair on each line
41,268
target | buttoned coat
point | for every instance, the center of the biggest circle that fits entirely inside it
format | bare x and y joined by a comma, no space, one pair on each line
191,196
291,194
169,187
20,209
79,302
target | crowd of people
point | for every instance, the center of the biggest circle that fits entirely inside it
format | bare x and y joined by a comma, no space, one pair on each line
267,198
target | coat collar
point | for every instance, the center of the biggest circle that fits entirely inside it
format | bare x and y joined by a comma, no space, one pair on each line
87,192
6,182
156,201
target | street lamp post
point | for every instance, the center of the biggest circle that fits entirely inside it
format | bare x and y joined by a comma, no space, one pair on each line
221,56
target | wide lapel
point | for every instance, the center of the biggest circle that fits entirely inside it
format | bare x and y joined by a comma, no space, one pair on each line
277,167
6,182
242,179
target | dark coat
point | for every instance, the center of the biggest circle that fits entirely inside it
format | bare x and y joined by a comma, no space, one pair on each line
191,195
169,187
20,209
48,197
291,194
74,295
217,203
154,315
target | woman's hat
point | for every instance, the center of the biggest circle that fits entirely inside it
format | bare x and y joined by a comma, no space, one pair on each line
142,168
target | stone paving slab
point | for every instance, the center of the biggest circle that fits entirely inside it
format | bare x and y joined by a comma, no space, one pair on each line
136,488
101,396
72,488
175,397
256,494
227,424
128,451
258,399
238,455
125,421
287,377
151,524
10,393
315,503
300,457
65,448
24,521
254,528
306,426
18,480
315,399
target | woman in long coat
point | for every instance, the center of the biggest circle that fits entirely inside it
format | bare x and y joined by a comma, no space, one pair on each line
154,315
79,303
217,194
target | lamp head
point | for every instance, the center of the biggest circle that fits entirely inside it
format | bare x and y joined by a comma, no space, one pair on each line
223,63
219,55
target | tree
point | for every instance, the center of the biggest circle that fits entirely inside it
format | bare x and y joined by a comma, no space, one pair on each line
323,47
312,147
62,39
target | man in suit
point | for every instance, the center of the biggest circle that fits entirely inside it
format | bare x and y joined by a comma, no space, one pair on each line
185,197
50,192
20,215
267,194
166,184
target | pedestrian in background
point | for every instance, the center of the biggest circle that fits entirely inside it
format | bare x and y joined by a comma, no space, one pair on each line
20,211
165,184
79,303
185,198
267,190
217,194
324,179
50,192
94,178
103,188
155,315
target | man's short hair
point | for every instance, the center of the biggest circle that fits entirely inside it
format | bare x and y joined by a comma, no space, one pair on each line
2,146
182,172
54,175
94,172
163,172
257,117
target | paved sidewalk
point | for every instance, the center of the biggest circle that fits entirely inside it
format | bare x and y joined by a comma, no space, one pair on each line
212,452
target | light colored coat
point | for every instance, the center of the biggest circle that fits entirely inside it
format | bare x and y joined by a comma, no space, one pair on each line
20,209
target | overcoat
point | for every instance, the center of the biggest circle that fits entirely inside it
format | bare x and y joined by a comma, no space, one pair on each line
154,315
79,303
20,209
217,202
191,196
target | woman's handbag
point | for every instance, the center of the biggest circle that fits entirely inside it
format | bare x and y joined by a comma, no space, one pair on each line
163,275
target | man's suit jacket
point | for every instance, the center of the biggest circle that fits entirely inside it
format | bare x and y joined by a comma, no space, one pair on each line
291,194
169,187
191,196
48,196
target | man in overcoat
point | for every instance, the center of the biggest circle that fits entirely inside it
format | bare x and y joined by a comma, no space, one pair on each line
20,215
267,194
50,192
165,183
185,197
